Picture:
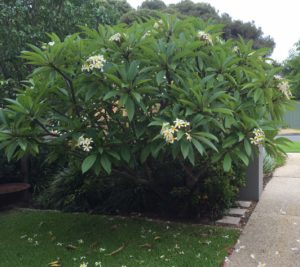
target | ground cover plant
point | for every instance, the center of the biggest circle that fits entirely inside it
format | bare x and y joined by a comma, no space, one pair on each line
38,238
165,109
292,147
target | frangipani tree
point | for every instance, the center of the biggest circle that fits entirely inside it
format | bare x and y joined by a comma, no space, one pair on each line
111,100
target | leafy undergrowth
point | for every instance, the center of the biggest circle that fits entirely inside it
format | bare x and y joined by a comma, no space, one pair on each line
293,147
36,238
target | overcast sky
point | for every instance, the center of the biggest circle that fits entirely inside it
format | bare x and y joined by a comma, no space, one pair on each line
279,19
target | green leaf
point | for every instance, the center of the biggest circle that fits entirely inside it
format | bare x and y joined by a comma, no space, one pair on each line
247,146
130,108
110,94
106,164
198,146
184,146
145,153
227,163
160,77
243,157
88,162
10,150
125,154
191,155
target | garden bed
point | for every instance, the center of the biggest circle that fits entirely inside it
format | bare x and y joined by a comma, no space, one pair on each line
13,193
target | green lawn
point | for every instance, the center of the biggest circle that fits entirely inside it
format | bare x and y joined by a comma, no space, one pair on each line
34,239
293,147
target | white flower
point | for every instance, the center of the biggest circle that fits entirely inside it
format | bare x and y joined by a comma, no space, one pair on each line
146,34
203,36
23,236
227,259
278,77
51,43
80,241
98,263
102,250
252,256
115,38
261,264
30,240
59,244
158,24
259,137
181,123
85,144
188,137
284,88
236,49
36,243
84,264
94,62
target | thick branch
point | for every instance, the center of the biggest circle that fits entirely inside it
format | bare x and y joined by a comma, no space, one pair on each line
71,87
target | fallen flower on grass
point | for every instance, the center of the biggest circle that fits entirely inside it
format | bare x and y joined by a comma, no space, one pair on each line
71,247
54,264
146,245
116,251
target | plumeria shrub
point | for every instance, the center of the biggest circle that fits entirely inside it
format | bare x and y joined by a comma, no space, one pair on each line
121,101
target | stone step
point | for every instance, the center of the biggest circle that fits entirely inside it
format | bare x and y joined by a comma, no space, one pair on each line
243,204
237,212
229,220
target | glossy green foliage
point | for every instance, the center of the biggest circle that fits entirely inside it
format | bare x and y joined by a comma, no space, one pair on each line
103,98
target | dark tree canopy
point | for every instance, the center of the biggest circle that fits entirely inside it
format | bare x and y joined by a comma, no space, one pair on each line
153,4
232,28
27,21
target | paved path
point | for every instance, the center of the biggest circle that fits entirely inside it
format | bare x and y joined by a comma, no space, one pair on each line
272,235
292,137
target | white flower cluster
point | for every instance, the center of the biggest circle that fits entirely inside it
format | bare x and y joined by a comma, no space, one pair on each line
158,24
115,38
236,49
94,62
284,88
258,138
206,37
147,34
85,143
168,131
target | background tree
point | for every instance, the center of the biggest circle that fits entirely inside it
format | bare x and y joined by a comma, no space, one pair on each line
153,4
26,21
292,71
232,28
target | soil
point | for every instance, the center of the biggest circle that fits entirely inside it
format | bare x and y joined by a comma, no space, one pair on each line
13,188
